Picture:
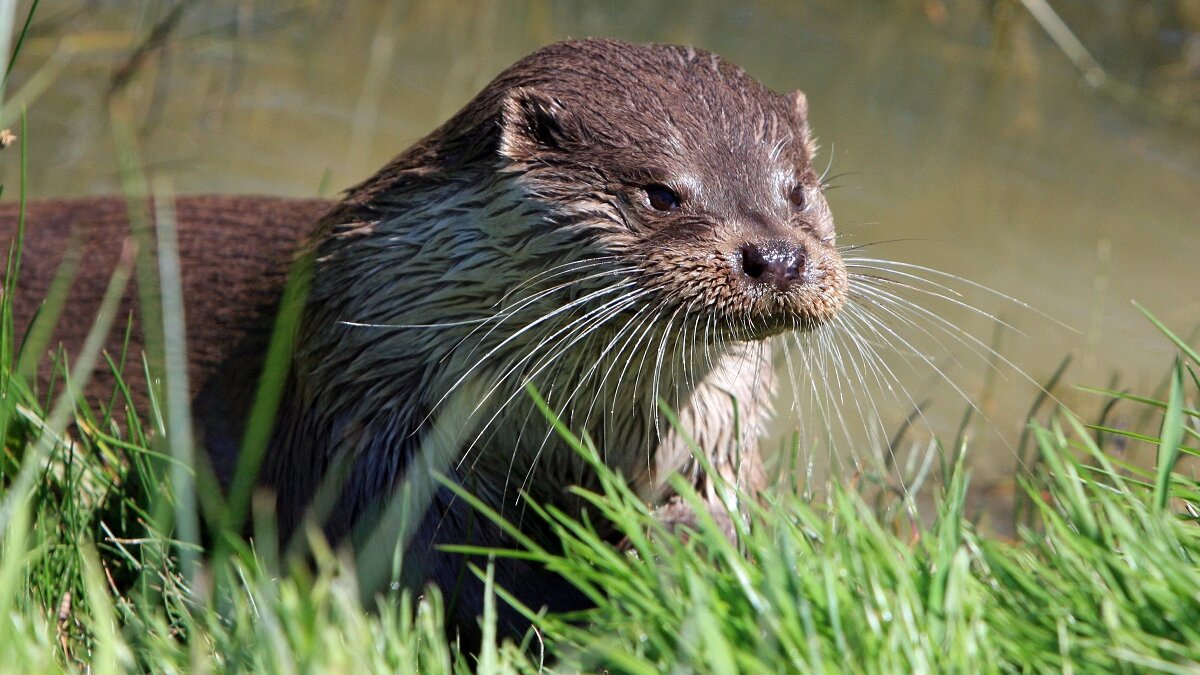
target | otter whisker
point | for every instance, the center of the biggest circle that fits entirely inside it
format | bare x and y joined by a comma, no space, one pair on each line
655,389
640,335
831,406
870,415
445,324
844,249
898,277
843,376
822,389
509,312
893,265
514,310
619,339
821,180
597,317
779,146
583,300
885,300
884,376
895,307
924,358
789,362
644,337
548,433
641,368
563,411
630,337
843,356
569,267
587,325
880,281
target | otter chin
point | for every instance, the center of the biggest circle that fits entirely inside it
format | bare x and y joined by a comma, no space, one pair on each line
613,224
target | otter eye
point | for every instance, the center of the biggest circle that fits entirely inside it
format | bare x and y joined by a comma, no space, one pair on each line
662,198
798,196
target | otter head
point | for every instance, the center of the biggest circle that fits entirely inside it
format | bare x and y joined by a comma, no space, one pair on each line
683,168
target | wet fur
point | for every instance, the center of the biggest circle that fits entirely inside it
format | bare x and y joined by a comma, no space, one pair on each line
513,246
235,252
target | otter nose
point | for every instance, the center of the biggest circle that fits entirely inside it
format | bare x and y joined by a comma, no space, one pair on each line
778,262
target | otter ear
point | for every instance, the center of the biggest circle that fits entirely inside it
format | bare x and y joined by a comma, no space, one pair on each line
799,105
530,122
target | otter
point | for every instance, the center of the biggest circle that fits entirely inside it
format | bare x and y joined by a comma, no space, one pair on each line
610,224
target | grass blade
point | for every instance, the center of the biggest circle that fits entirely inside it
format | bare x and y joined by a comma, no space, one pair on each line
1170,437
1179,342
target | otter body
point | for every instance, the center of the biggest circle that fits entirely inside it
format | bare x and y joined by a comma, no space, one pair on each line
614,224
235,252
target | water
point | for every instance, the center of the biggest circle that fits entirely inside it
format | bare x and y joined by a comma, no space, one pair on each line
993,164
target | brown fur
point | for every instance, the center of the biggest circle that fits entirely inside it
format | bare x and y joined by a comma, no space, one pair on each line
234,251
431,306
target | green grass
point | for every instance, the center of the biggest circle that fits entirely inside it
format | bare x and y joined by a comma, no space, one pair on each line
1104,577
1106,580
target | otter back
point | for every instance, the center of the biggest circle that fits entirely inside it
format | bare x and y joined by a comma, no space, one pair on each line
234,253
